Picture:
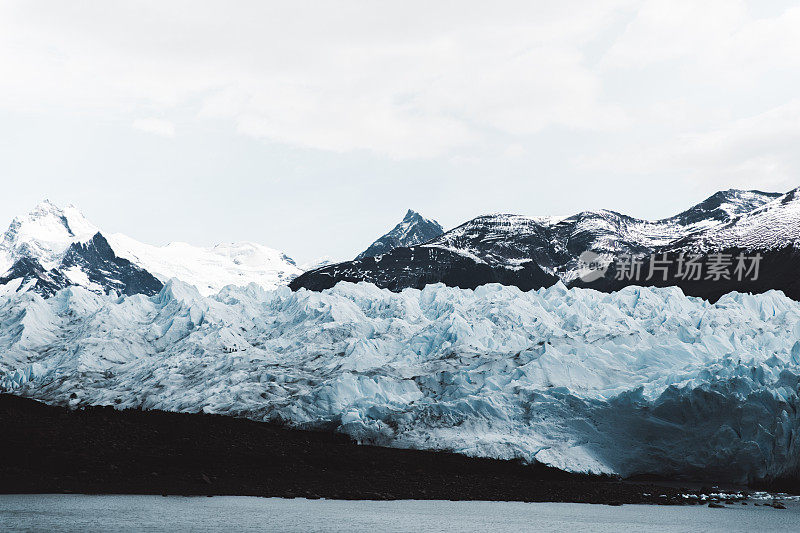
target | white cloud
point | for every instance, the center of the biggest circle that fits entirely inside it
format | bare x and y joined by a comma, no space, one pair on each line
406,80
711,89
665,30
714,40
420,80
759,151
156,126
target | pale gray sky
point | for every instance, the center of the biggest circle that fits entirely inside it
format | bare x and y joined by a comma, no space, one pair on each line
312,127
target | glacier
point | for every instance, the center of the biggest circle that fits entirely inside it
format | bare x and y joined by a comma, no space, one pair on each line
641,381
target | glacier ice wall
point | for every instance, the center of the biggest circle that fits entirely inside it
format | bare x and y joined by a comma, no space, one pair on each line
645,380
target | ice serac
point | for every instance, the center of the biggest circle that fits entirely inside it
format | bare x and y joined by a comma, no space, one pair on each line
413,229
641,381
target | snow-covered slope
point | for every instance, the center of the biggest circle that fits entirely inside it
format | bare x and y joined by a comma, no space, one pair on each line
771,226
413,229
210,269
556,243
506,242
639,381
44,234
51,248
319,262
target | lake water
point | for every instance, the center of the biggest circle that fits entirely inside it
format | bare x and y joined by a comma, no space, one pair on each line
69,512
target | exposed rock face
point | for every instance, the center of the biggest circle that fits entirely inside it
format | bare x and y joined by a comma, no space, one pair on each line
413,229
532,252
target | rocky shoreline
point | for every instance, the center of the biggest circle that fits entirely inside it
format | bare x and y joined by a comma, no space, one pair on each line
100,450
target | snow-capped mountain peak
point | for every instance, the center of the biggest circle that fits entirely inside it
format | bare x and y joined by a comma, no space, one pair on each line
52,247
723,206
772,225
498,247
44,234
412,230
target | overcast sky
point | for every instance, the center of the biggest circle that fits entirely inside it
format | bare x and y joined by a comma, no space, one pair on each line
312,127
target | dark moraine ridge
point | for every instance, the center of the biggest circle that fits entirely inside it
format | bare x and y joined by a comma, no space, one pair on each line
52,449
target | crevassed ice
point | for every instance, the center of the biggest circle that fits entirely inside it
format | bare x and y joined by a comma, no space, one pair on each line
642,380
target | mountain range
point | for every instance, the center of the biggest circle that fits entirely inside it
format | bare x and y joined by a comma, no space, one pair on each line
535,252
642,381
50,248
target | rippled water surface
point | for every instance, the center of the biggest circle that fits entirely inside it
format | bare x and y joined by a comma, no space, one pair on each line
238,513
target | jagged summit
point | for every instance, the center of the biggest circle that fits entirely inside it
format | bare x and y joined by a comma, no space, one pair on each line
770,225
505,248
413,229
724,206
44,234
51,247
